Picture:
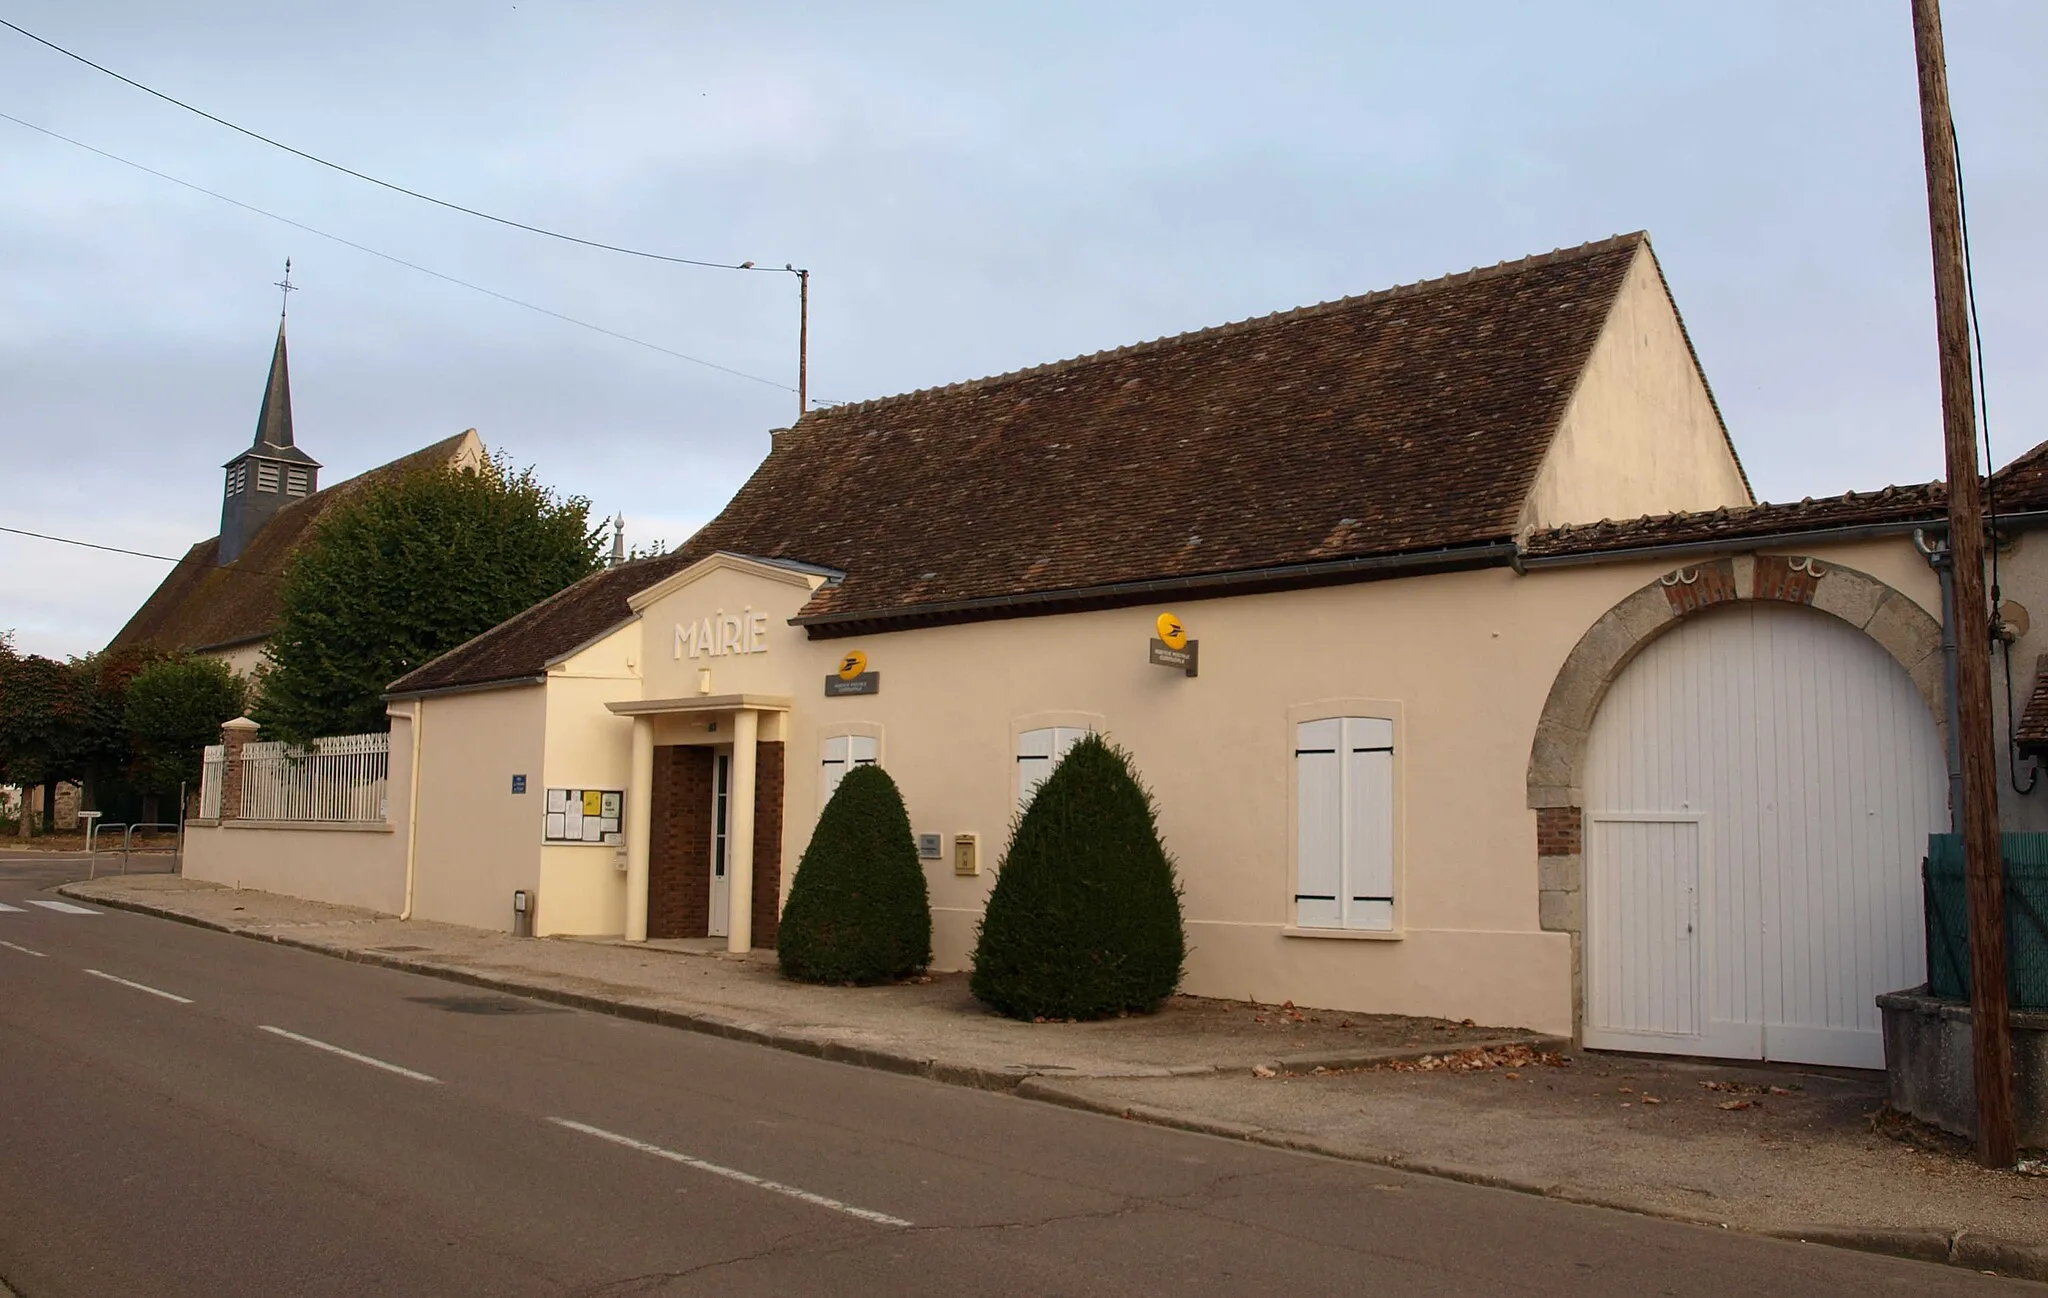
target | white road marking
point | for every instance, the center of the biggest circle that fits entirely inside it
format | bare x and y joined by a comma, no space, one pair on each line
6,909
744,1178
348,1054
24,950
182,1000
62,907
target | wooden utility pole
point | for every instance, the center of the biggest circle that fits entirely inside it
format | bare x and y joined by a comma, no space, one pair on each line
803,339
1983,864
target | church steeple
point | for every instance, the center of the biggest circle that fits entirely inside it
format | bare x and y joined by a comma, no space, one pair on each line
273,472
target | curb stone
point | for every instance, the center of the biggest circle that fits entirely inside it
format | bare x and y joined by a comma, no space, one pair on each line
1962,1249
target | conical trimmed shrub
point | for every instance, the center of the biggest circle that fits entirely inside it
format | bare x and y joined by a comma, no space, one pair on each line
1084,920
858,911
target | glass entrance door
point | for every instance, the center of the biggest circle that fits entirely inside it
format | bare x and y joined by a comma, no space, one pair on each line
721,849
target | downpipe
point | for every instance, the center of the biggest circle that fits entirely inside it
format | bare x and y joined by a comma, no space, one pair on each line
1939,559
412,805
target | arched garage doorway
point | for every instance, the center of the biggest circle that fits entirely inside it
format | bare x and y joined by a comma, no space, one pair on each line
1758,783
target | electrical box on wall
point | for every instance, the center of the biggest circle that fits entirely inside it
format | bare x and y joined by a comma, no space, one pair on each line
930,847
966,854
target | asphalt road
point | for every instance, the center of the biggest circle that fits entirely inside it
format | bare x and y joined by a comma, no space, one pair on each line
185,1112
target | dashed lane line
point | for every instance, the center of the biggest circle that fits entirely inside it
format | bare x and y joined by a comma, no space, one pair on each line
6,909
24,950
348,1054
142,987
733,1174
61,907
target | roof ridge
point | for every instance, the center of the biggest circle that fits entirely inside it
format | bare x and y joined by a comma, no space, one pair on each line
1231,328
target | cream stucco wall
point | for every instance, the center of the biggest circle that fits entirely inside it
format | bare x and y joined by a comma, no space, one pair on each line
583,887
1640,435
1465,661
242,659
348,867
477,841
2023,576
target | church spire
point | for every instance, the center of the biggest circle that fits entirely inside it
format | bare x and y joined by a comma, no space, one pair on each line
274,421
273,472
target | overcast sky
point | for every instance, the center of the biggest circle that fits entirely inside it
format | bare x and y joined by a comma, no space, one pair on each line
976,187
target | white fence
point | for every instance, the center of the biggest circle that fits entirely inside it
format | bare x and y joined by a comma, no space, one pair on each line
213,765
336,779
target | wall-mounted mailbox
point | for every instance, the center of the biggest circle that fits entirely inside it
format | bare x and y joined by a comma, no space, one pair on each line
966,854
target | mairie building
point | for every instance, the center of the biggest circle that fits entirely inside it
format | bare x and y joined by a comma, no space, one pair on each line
1467,675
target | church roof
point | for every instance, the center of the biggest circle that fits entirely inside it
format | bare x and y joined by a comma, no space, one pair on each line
204,604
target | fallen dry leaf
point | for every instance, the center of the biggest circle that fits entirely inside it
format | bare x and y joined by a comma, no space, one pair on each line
1261,1070
1736,1104
1651,1099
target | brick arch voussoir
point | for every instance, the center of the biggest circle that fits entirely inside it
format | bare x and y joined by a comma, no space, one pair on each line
1887,615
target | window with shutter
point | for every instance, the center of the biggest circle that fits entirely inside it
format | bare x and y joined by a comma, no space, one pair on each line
1344,832
296,481
841,754
238,478
1038,752
266,477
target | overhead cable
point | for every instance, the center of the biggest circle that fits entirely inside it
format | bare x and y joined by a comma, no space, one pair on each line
385,184
399,261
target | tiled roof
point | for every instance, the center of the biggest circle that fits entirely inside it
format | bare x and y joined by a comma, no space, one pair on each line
2032,732
1411,420
204,605
2020,485
1922,503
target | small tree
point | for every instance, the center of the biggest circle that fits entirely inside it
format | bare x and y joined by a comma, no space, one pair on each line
858,911
401,574
174,709
1084,920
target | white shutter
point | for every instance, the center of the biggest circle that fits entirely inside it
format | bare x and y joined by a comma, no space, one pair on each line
1036,753
1369,823
832,769
862,750
1319,836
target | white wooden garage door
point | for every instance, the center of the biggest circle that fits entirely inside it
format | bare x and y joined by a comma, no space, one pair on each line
1759,787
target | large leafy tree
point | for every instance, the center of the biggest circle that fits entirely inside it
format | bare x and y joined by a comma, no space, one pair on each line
173,708
404,572
39,698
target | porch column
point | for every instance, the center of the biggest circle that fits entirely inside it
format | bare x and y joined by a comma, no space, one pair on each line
739,815
639,817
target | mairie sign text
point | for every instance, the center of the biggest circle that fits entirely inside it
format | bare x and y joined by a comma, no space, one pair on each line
723,633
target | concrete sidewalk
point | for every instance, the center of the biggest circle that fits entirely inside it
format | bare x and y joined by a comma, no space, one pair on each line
1802,1154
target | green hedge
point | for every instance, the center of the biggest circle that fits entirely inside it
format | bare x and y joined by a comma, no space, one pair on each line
1084,921
858,911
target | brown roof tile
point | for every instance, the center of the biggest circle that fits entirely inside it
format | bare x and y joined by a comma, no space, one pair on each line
204,605
2032,732
1900,505
2020,485
1411,420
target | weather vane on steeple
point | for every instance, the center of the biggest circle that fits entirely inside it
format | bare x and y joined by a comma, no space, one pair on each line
288,287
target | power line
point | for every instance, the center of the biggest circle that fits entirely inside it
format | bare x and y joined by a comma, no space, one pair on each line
140,554
399,261
395,188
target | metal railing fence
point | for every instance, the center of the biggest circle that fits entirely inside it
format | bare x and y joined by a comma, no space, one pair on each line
340,778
